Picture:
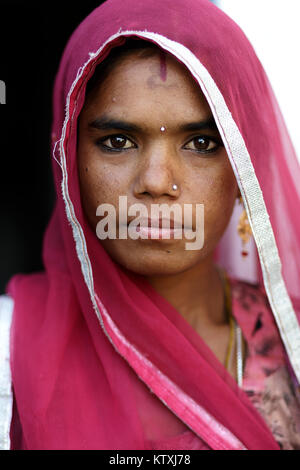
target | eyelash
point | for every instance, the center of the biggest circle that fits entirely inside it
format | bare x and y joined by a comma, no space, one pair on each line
105,148
111,149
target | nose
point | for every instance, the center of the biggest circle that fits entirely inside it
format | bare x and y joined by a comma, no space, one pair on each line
158,173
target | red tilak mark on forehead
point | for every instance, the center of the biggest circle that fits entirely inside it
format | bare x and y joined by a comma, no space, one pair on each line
163,66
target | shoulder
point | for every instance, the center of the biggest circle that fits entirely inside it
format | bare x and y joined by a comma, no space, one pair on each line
249,293
254,293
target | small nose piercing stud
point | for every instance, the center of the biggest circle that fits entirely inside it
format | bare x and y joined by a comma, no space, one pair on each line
174,187
162,129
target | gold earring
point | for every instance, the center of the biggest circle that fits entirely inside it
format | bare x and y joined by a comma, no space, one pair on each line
244,229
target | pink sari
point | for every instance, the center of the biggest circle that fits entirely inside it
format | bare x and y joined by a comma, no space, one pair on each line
86,334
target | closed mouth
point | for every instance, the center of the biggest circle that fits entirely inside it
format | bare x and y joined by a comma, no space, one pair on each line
162,223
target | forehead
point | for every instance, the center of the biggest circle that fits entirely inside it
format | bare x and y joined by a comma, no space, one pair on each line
154,68
158,82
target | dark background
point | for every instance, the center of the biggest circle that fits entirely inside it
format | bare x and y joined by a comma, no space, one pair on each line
32,39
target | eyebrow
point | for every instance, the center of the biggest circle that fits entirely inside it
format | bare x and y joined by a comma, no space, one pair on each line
105,123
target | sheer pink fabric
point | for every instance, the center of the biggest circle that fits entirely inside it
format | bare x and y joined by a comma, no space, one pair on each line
87,334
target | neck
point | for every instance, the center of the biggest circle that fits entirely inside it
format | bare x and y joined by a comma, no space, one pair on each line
197,294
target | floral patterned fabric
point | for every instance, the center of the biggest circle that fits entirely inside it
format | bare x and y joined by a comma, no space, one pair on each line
267,379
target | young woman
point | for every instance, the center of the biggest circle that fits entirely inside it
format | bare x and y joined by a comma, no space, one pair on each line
159,341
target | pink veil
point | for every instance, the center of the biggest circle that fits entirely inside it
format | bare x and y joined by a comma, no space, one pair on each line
86,334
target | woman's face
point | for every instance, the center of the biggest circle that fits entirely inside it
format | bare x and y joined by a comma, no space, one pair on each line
146,127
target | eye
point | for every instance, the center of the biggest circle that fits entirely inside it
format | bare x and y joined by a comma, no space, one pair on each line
203,144
116,143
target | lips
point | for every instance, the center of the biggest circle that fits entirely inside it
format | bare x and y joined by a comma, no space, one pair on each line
162,223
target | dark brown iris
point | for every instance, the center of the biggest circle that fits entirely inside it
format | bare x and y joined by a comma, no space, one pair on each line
201,143
118,141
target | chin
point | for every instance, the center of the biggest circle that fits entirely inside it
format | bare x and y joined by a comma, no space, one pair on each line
151,262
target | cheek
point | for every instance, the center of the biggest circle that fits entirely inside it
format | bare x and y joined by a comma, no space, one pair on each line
217,190
99,183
